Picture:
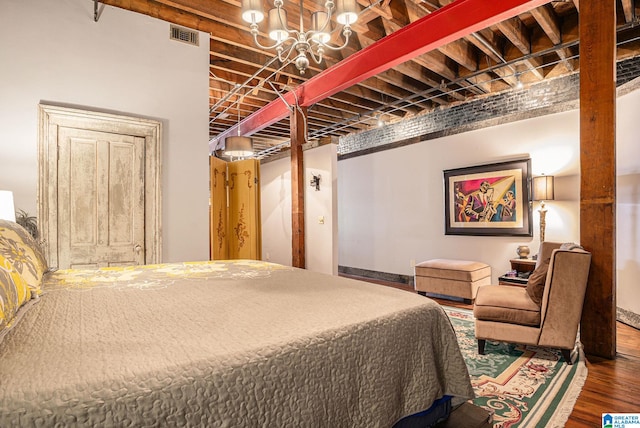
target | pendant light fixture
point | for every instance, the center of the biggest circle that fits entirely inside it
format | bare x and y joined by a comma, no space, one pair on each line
238,146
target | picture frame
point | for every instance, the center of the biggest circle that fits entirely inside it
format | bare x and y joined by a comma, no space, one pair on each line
489,200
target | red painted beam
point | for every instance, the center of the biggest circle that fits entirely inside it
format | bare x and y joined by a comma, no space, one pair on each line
443,26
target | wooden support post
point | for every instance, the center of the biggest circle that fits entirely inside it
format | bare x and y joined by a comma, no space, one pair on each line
598,173
298,134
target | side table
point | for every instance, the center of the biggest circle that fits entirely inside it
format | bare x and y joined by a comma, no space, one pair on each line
522,268
523,265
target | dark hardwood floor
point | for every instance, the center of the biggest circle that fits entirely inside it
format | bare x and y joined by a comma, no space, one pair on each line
612,385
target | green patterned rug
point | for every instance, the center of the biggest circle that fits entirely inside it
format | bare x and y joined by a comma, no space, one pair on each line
521,386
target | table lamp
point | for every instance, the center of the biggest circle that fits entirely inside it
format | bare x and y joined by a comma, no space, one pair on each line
7,209
543,191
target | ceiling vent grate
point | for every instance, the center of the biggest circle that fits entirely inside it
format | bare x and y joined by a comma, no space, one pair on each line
184,35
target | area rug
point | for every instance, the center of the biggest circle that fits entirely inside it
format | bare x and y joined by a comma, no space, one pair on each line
521,386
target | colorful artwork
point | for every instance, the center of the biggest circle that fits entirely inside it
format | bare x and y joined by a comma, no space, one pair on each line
488,199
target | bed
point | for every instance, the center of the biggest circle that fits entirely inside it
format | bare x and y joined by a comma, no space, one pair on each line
218,344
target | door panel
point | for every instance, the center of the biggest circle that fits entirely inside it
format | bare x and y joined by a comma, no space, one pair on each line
235,228
100,199
102,166
245,235
218,211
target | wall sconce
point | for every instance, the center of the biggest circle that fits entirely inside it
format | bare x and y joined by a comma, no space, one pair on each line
543,190
315,181
7,209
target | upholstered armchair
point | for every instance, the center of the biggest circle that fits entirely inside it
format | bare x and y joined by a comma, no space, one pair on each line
547,312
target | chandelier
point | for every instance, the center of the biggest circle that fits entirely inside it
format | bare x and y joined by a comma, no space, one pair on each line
311,42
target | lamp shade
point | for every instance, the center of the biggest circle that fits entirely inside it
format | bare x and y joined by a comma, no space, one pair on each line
346,11
7,209
543,188
277,20
238,146
252,11
321,26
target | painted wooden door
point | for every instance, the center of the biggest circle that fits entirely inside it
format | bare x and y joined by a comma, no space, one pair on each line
100,199
235,210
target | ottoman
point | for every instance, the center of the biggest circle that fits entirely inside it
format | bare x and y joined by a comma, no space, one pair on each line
456,278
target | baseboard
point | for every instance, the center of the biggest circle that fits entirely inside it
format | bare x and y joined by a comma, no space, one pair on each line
381,276
630,318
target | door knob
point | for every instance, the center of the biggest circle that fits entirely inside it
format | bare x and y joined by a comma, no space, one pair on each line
137,248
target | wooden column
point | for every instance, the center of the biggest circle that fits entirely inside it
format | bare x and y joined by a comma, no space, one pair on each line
298,134
598,173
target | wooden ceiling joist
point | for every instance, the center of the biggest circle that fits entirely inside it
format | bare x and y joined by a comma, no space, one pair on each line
439,28
535,41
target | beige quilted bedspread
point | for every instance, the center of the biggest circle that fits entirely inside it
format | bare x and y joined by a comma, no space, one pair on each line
225,344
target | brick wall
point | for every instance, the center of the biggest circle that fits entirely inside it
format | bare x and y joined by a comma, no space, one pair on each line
547,97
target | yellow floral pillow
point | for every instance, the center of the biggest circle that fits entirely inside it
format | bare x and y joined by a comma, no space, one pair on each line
24,254
14,292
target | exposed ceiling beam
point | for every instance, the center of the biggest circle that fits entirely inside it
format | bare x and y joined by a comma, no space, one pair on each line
629,11
549,23
443,26
517,33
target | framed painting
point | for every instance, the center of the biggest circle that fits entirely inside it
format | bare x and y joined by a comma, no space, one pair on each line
489,200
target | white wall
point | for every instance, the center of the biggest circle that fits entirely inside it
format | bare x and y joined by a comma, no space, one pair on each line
321,212
53,52
628,202
392,202
275,209
321,209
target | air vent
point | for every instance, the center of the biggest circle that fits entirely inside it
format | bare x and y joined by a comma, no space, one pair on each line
184,35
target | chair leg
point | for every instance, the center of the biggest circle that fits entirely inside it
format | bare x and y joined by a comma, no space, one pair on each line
566,354
481,343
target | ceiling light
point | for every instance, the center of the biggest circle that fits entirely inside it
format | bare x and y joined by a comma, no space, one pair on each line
519,84
306,43
239,146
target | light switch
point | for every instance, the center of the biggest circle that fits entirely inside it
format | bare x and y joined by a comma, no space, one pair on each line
321,219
